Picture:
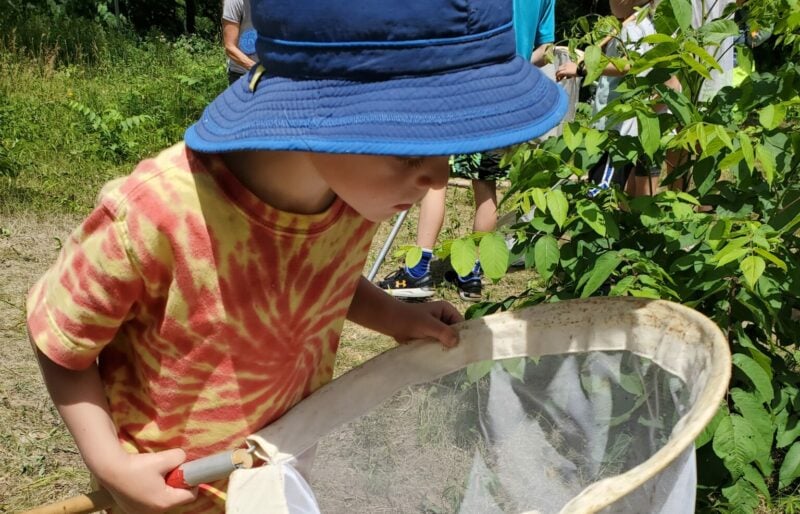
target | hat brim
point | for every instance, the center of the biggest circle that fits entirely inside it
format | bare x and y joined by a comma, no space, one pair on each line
465,111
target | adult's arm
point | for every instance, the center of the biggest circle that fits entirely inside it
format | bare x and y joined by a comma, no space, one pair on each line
545,33
570,69
539,53
230,39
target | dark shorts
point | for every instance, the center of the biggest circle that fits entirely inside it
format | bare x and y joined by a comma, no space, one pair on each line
477,166
233,76
603,174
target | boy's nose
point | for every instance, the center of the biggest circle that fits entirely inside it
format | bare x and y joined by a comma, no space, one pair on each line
435,174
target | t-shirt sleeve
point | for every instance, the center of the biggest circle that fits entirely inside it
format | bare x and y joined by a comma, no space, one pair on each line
233,10
77,306
546,30
632,32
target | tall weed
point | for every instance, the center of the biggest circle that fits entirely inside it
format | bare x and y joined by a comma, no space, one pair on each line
79,109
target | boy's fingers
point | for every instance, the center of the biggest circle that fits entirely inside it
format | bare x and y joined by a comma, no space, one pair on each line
448,313
444,333
448,337
168,460
444,315
181,496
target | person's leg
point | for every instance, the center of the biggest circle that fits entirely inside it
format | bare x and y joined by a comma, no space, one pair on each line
485,205
416,282
642,185
485,220
644,181
431,217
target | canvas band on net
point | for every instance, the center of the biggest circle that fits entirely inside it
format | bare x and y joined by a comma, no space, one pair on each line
680,342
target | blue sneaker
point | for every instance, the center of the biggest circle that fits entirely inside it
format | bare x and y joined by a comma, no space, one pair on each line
469,287
402,285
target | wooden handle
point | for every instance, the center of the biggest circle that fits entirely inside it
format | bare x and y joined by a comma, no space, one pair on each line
82,504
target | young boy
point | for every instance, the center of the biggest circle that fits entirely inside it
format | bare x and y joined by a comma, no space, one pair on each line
205,294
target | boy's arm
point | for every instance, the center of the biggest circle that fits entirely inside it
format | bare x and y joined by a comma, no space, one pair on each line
135,481
373,308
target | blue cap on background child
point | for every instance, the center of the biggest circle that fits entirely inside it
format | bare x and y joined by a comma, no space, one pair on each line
418,77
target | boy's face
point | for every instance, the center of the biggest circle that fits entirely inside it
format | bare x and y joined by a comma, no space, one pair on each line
377,186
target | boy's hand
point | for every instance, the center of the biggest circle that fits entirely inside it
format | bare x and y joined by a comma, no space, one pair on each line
137,482
373,308
426,321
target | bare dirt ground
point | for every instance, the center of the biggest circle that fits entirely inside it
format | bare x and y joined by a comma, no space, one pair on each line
38,460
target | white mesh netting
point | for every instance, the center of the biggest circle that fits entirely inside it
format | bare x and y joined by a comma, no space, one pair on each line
584,406
524,436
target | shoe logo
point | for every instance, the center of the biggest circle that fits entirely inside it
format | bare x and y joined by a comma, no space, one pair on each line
400,283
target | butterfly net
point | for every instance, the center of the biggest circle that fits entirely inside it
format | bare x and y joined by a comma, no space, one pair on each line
586,406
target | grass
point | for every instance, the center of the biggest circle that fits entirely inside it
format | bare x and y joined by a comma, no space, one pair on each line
61,126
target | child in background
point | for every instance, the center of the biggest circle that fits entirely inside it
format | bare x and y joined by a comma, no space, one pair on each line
534,29
205,294
645,177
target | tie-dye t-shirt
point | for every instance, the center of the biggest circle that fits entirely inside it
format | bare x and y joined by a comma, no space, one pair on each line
210,313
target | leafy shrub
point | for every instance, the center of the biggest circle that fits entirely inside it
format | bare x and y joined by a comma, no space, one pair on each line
725,243
113,128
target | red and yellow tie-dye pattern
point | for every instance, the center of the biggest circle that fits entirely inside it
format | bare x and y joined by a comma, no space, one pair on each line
209,312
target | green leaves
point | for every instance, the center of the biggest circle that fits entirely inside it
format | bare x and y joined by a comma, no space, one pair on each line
591,57
767,162
592,215
558,206
760,379
413,256
735,443
752,409
494,255
478,370
722,238
748,154
463,254
772,116
649,131
752,268
743,497
717,31
572,136
682,9
790,468
602,269
546,256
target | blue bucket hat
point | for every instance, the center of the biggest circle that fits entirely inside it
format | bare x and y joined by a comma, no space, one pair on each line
416,78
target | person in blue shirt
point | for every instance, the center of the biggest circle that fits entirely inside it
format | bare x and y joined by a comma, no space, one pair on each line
534,28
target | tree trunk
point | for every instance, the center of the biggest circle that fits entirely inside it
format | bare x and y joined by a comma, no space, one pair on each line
191,13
